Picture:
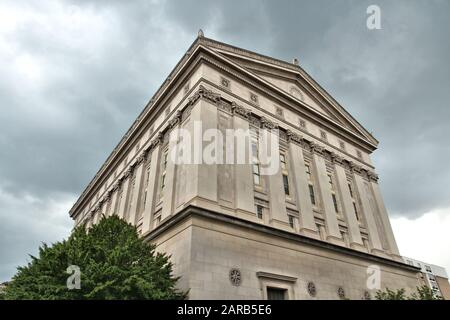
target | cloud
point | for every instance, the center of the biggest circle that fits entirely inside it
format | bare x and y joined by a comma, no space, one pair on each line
425,238
27,221
75,74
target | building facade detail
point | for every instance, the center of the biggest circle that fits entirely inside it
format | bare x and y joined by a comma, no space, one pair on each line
321,193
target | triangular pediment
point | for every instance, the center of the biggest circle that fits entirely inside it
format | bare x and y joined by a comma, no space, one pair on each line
293,81
292,88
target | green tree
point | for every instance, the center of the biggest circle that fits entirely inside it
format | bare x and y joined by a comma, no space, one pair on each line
423,293
114,263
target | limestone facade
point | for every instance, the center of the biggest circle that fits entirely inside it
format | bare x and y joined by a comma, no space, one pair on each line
326,191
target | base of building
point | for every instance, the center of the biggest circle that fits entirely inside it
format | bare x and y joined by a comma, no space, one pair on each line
223,257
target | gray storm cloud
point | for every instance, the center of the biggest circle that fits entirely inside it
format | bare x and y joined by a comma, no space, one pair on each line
74,76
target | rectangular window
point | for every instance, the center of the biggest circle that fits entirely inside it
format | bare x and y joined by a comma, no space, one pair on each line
311,194
330,181
259,211
350,189
286,184
285,173
256,174
335,203
283,161
147,177
276,293
255,158
356,211
163,171
308,171
291,221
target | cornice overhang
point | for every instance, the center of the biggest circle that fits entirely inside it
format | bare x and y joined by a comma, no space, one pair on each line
363,141
149,109
193,211
244,54
197,47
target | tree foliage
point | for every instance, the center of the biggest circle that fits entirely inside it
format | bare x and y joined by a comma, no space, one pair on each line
115,263
423,293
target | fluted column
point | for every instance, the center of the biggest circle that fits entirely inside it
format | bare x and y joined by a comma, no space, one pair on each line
393,248
307,223
153,182
332,225
113,207
125,187
243,174
169,188
363,189
135,201
277,197
354,232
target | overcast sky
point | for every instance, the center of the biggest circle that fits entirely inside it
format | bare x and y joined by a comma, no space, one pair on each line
75,74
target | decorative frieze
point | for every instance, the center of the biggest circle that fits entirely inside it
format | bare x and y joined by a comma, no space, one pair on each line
315,148
335,158
240,110
373,177
204,93
267,124
175,120
245,113
355,168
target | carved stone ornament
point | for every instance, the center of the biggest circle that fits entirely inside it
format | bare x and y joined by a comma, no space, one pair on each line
336,158
240,110
266,123
204,93
355,168
316,148
372,176
291,136
341,293
312,289
235,277
175,120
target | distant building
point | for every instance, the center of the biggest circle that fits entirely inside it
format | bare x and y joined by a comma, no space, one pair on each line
3,286
432,276
310,230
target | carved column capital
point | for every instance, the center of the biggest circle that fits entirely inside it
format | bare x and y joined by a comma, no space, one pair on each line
240,110
335,158
291,136
267,124
355,168
204,93
175,120
372,176
315,148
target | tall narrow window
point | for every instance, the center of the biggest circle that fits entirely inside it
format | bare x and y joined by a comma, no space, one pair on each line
333,193
284,172
259,211
311,194
255,158
286,184
163,171
352,196
335,203
147,177
310,184
291,221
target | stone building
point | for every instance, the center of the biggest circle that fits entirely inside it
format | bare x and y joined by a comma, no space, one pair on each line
309,231
432,276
